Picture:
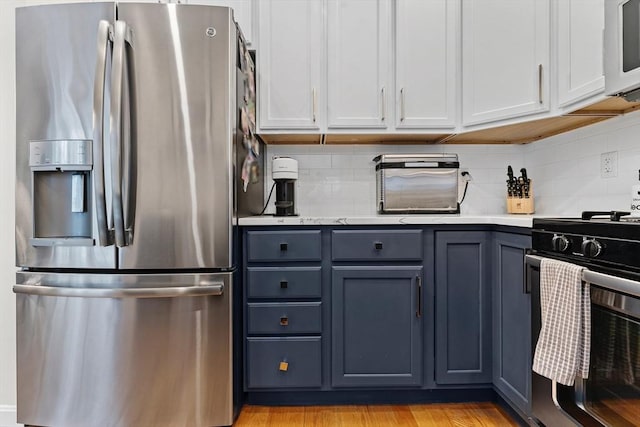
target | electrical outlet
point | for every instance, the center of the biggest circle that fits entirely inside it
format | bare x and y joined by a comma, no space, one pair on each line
609,164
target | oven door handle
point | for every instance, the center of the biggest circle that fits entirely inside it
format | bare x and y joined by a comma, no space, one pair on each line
530,262
607,281
612,283
533,260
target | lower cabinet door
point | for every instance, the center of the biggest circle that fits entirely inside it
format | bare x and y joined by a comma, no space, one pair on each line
511,321
463,308
274,362
376,318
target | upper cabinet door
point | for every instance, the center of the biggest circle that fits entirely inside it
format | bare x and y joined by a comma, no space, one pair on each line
359,65
580,30
290,64
426,63
505,59
242,13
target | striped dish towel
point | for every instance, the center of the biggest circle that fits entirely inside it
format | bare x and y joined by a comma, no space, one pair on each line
564,344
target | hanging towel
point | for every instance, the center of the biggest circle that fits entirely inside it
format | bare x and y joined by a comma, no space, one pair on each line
564,344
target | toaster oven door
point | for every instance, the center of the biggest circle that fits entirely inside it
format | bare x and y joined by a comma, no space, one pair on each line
418,190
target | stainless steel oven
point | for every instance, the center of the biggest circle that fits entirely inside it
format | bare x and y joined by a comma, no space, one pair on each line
609,250
611,394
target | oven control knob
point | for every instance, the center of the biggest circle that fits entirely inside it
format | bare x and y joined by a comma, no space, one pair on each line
560,243
591,248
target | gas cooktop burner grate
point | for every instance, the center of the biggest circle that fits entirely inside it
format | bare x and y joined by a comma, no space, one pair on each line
613,215
635,219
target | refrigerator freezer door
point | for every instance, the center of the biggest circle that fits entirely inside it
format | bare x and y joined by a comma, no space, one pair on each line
56,56
140,359
178,178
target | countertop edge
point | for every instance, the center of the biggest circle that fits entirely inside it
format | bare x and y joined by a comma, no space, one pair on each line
525,221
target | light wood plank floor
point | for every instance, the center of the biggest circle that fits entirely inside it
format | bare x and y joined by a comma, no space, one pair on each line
484,414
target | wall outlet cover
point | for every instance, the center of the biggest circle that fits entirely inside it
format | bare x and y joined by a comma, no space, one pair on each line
609,164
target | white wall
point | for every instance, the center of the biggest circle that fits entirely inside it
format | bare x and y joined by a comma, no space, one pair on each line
566,168
7,257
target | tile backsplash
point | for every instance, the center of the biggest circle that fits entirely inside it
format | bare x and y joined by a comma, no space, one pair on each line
339,180
566,167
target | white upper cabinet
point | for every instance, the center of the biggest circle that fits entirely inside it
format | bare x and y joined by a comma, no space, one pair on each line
427,73
360,93
290,64
580,46
505,59
242,12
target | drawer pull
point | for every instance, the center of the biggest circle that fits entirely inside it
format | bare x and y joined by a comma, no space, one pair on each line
284,284
284,321
284,366
283,246
378,245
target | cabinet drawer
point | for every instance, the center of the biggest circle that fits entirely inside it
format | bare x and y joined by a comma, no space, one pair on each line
283,362
283,246
284,282
284,318
389,245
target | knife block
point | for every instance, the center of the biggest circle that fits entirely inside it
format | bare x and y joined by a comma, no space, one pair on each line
521,205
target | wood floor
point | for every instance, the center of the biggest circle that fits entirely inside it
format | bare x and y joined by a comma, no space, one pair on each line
484,414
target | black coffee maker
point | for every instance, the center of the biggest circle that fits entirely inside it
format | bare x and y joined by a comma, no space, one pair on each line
285,173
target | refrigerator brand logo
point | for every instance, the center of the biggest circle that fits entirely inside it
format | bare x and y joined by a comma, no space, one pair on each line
211,32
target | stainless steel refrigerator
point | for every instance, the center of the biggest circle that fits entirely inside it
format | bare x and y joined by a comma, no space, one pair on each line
135,155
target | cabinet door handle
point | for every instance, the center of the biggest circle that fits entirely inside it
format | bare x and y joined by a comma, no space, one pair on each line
314,98
378,245
402,104
283,246
540,73
284,321
419,288
284,284
384,104
283,366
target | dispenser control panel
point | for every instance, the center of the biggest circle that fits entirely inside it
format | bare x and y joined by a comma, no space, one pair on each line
71,154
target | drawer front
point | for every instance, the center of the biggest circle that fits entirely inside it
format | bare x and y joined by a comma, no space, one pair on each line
270,246
284,282
284,318
283,362
389,245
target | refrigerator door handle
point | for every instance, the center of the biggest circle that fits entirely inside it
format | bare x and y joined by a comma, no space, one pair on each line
118,82
210,289
105,236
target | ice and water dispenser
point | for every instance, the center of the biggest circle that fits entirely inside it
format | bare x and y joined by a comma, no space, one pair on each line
61,179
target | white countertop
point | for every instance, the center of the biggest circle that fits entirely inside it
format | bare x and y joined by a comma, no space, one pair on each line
509,220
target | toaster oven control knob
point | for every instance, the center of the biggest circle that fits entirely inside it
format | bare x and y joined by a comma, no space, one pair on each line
591,248
560,243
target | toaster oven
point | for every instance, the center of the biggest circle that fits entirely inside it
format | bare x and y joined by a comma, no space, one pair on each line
417,183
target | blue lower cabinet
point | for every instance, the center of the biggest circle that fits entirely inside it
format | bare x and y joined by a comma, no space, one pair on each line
284,282
284,362
283,246
463,307
511,321
284,318
376,326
